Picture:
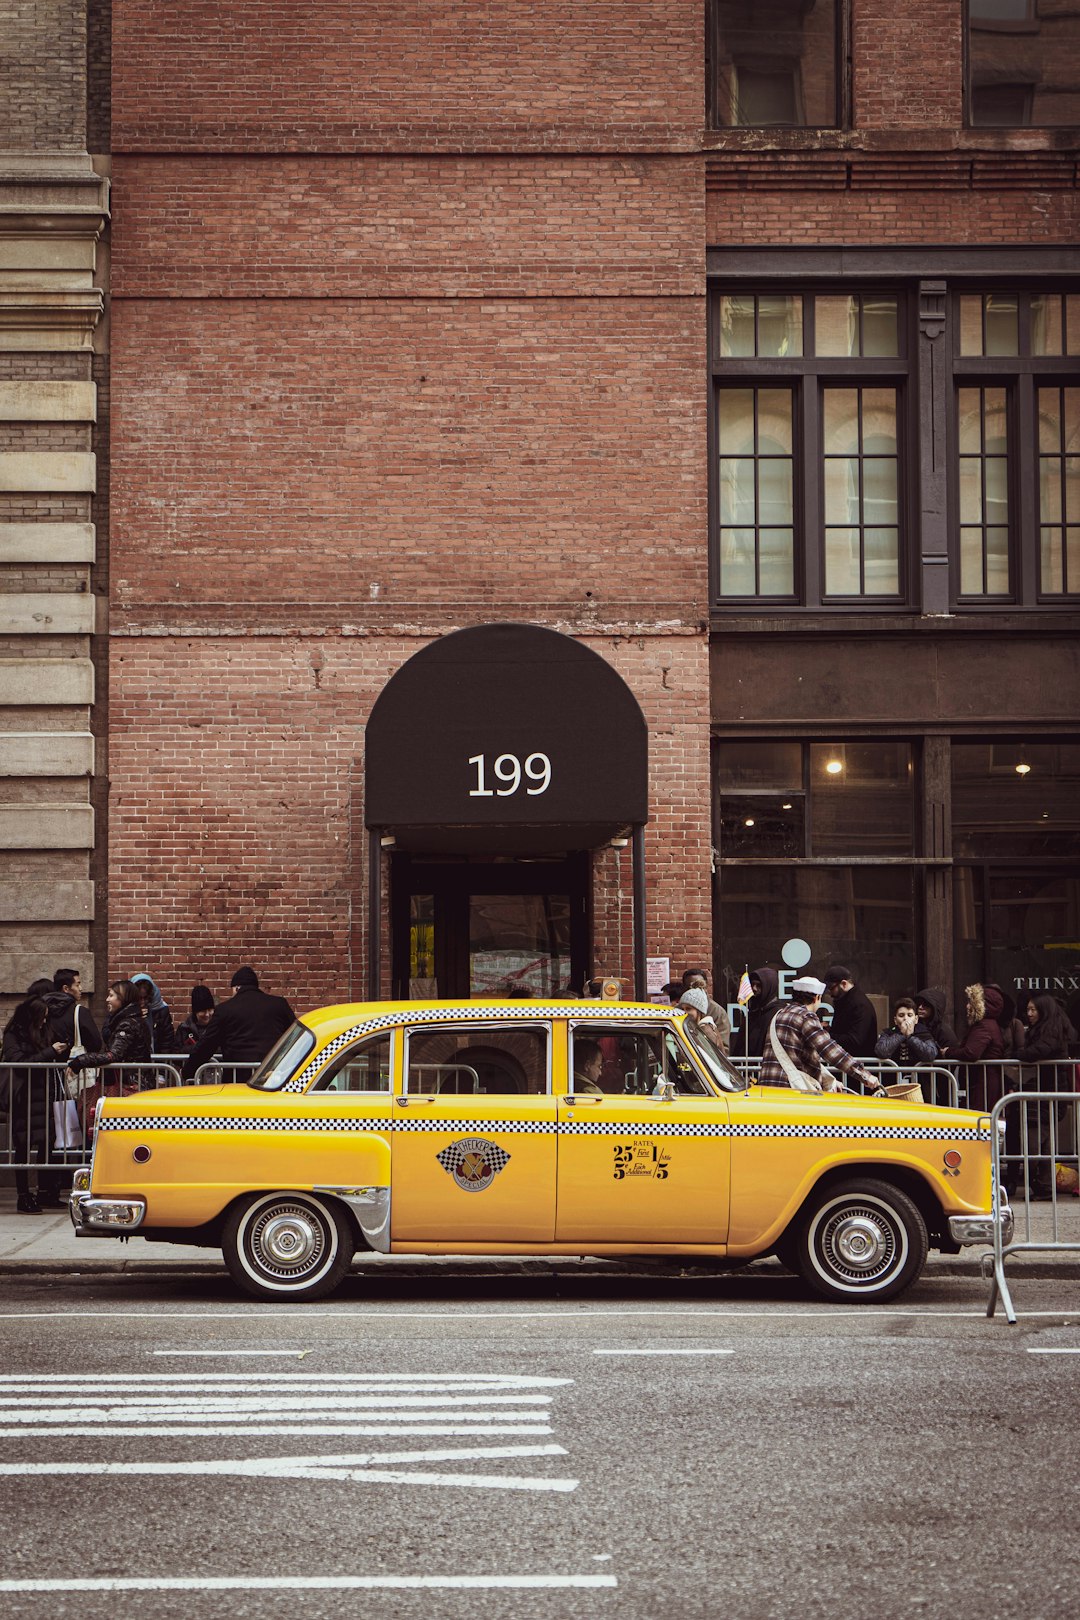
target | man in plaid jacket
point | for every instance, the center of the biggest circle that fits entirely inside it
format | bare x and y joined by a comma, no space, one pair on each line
806,1041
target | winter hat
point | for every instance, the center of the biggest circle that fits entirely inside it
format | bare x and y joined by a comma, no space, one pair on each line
202,999
834,974
811,986
245,978
696,999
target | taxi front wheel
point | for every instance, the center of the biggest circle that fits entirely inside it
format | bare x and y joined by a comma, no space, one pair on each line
287,1245
862,1240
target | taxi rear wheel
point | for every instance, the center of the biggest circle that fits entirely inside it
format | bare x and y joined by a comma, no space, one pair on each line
862,1240
287,1245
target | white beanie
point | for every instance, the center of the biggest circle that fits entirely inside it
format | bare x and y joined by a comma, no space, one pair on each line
695,998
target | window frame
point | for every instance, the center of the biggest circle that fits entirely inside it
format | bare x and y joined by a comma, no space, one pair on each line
842,99
1021,26
1020,376
476,1026
807,375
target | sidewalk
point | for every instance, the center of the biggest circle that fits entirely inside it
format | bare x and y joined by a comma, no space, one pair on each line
46,1245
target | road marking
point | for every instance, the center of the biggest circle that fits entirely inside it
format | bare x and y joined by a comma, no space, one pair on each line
318,1583
221,1405
1049,1351
316,1468
198,1431
663,1352
299,1354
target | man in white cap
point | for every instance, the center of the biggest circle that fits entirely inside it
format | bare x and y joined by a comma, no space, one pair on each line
799,1033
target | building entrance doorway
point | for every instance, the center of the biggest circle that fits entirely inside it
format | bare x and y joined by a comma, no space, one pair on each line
466,928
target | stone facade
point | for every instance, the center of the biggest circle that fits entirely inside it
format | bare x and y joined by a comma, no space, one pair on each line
53,208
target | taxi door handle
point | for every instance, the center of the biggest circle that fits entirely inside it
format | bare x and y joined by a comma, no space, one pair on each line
413,1102
582,1101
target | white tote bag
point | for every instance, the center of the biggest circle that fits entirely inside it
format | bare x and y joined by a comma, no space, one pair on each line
67,1126
85,1077
797,1079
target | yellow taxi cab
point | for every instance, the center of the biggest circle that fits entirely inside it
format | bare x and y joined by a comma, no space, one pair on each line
513,1127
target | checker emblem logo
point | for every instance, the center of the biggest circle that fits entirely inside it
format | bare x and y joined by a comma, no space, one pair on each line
474,1162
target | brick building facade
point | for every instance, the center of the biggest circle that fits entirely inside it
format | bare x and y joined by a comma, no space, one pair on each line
650,324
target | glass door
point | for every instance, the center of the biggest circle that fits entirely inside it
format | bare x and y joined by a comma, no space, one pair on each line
475,929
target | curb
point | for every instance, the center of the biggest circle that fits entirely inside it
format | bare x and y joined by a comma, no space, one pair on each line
403,1268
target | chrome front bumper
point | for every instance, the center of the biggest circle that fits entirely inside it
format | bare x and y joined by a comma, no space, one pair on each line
964,1229
105,1217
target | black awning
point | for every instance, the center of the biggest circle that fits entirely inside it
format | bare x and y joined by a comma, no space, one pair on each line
506,736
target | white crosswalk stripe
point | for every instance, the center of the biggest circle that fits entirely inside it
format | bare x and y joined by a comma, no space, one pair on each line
264,1405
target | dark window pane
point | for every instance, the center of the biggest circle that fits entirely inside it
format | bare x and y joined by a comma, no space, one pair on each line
863,799
1013,799
1025,63
1034,929
864,915
775,62
759,765
764,827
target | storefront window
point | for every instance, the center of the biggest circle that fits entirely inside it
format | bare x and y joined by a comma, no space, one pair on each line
1019,927
1013,798
806,800
862,915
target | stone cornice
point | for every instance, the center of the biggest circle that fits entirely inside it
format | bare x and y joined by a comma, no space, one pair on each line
53,209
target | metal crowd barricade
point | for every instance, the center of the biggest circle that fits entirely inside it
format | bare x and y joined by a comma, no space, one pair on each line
938,1081
1039,1141
32,1134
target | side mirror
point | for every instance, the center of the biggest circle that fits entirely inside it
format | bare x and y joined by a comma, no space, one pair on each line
664,1090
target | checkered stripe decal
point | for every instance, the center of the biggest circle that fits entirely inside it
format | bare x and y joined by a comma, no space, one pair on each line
503,1127
451,1158
471,1014
539,1127
857,1133
197,1122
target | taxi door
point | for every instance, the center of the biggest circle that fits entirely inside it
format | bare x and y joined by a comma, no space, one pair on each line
634,1167
474,1135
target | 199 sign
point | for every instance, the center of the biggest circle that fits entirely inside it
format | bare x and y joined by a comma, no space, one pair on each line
509,771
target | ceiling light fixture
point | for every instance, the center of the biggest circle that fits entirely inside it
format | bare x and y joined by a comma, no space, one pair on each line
834,766
1023,768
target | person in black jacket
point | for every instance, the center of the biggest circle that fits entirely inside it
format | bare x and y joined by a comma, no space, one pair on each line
27,1094
63,1001
126,1034
191,1031
758,1013
1048,1037
244,1028
908,1040
930,1006
156,1012
854,1021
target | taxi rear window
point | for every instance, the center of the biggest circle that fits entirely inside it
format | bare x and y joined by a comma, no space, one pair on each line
283,1060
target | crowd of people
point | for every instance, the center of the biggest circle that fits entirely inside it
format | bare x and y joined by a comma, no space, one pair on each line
52,1026
794,1044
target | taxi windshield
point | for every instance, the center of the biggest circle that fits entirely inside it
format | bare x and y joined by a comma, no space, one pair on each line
716,1064
283,1060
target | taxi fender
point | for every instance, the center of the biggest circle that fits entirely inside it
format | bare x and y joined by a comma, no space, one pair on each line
914,1176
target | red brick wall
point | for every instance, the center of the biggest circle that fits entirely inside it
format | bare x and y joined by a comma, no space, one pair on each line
386,76
236,813
358,458
870,218
907,64
377,227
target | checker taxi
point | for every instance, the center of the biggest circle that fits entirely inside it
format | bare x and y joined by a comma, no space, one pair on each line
521,1128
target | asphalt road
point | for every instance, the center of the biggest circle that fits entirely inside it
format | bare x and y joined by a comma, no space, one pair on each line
691,1448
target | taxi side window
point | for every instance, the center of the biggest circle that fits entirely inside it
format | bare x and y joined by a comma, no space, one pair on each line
614,1061
364,1068
478,1061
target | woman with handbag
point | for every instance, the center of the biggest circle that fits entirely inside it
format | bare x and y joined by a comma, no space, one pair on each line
28,1094
126,1033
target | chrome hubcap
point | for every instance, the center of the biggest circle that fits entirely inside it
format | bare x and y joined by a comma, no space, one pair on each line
287,1240
859,1242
